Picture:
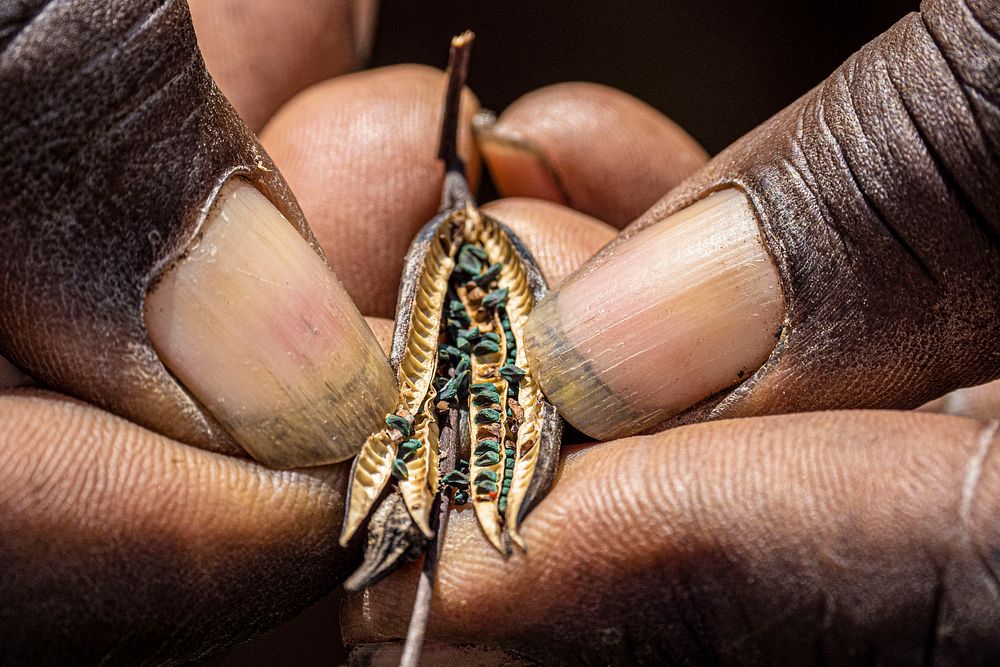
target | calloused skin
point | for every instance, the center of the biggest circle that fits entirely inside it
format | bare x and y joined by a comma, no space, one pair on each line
839,535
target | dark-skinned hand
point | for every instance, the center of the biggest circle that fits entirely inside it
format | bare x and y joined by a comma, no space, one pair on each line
840,262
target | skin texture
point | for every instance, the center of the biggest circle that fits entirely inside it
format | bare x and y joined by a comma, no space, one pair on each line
875,196
580,144
873,532
259,68
390,179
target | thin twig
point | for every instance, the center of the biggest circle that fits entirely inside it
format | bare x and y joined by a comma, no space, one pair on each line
425,588
456,189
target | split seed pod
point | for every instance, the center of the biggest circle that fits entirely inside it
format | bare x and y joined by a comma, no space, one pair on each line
471,423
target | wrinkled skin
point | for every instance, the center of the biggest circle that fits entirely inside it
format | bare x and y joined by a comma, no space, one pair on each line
834,536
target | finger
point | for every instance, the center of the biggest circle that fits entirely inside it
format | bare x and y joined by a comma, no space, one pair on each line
873,531
10,375
122,546
592,148
870,201
979,402
261,53
360,152
560,238
133,174
382,328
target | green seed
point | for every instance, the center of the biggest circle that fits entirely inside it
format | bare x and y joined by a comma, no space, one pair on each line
481,387
456,311
399,469
408,449
486,487
477,252
489,415
469,262
486,347
451,389
400,424
460,498
487,276
456,478
463,344
508,462
496,298
471,334
487,446
452,351
462,366
512,373
488,459
490,336
486,475
502,505
485,400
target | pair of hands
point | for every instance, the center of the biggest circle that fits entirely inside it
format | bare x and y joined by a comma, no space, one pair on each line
874,196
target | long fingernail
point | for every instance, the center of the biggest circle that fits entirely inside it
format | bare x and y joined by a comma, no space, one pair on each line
255,325
678,313
516,166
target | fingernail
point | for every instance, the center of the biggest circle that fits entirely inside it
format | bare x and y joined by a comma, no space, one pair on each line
255,325
516,166
681,311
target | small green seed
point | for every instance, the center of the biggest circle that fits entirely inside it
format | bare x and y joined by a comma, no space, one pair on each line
486,347
486,475
454,385
487,446
469,262
477,252
489,415
488,459
462,366
490,336
455,478
496,298
400,424
486,486
508,462
481,387
399,469
408,449
485,400
463,344
460,498
502,505
512,373
487,276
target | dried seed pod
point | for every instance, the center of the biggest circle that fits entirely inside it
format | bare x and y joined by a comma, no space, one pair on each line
471,423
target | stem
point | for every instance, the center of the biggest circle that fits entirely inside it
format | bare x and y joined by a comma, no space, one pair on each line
421,613
456,188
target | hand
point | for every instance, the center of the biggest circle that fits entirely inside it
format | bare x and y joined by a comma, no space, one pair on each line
266,546
823,537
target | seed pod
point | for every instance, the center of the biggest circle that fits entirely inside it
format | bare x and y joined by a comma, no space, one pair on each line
468,286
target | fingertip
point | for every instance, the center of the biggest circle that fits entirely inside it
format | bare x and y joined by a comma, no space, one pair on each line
559,238
360,153
594,148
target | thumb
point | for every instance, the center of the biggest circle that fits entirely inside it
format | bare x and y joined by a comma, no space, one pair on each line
120,195
844,254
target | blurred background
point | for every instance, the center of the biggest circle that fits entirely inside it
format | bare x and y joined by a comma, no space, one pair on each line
716,68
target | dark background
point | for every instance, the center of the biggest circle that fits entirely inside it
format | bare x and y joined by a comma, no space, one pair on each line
717,68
